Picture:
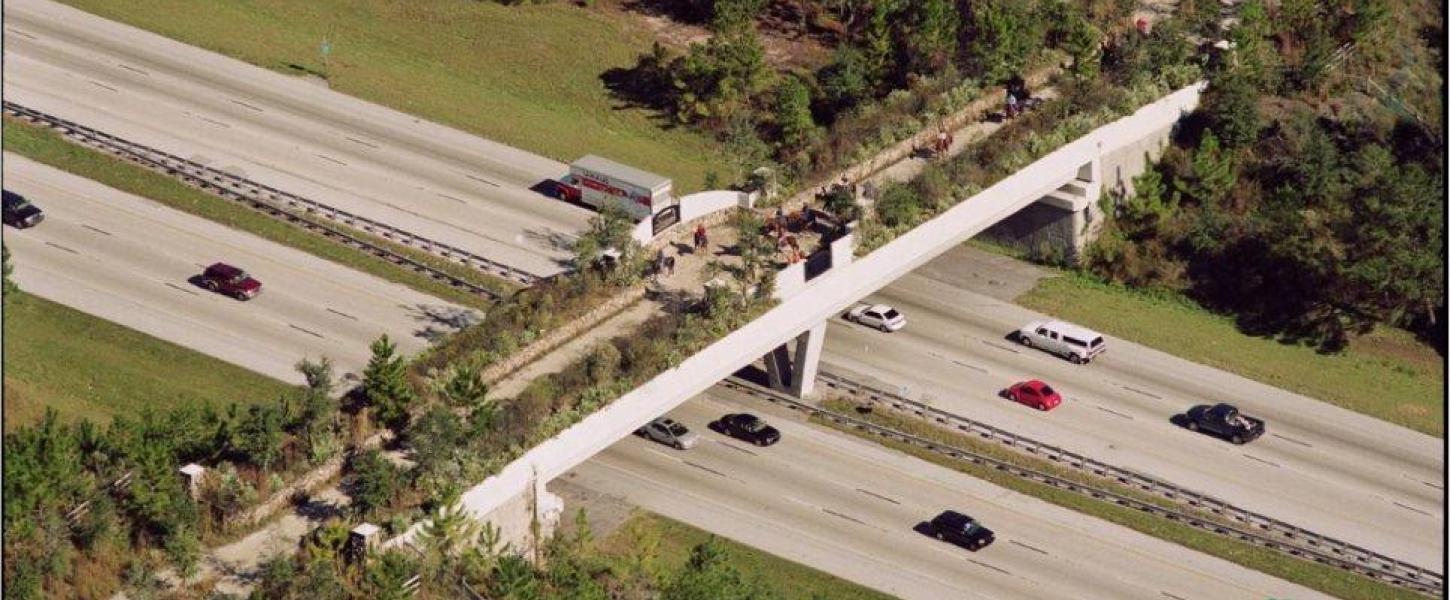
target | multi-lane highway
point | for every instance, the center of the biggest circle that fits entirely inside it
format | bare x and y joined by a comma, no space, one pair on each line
1327,469
130,260
289,133
848,507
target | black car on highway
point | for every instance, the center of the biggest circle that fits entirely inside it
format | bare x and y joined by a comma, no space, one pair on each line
747,427
961,530
19,212
1225,421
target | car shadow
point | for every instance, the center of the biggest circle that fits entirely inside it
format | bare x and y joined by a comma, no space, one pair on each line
1015,337
1180,420
924,528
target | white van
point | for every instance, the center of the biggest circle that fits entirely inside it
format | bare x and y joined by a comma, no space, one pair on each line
1077,344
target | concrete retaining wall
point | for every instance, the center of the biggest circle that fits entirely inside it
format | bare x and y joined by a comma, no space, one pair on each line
823,297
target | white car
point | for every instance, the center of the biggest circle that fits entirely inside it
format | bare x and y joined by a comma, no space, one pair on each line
669,432
1077,344
878,316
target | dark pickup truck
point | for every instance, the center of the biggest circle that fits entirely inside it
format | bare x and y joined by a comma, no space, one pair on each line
1225,421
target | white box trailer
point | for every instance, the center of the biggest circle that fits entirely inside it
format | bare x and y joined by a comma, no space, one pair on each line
598,182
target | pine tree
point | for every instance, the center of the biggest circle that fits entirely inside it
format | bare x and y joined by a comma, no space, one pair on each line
385,384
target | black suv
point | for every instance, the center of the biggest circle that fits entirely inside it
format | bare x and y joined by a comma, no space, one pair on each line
962,530
748,427
1225,421
19,212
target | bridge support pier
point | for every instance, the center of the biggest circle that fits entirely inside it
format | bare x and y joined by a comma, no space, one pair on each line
795,372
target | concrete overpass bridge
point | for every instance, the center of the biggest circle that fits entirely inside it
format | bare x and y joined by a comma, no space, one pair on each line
1065,185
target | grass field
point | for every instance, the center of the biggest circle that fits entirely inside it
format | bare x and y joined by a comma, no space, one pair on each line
674,540
45,146
88,367
527,76
1330,580
1388,375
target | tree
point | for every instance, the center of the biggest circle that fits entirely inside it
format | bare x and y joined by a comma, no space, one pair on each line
259,436
846,81
1084,43
709,576
1000,35
387,574
755,248
1232,105
1212,172
437,438
7,285
1150,202
930,34
460,386
793,113
374,482
319,421
898,205
385,384
448,532
879,45
732,16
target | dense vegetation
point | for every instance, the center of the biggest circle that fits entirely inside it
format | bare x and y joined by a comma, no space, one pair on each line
1306,196
896,66
87,507
457,559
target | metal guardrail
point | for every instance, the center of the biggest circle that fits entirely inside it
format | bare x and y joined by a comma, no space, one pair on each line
283,205
1272,532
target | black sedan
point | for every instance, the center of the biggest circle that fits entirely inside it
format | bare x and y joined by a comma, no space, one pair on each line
747,427
961,530
19,212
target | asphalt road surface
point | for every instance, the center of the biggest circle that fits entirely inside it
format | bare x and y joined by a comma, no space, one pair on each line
132,261
1318,466
289,133
848,507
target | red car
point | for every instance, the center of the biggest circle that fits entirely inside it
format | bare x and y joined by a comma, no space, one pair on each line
1036,394
226,279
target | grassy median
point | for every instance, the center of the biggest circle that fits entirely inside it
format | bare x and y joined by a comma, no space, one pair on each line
45,146
668,542
527,75
1388,374
86,367
1330,580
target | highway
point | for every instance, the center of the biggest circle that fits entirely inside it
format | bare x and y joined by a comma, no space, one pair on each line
848,507
129,260
289,133
1321,467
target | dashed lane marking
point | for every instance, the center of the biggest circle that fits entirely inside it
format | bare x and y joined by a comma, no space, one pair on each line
453,198
999,346
102,85
358,141
341,314
703,468
982,564
736,448
96,229
1270,463
969,366
879,496
55,245
306,331
1148,394
240,103
843,516
1173,596
1113,412
331,159
216,122
1292,440
1032,548
179,288
20,33
480,180
132,69
1411,508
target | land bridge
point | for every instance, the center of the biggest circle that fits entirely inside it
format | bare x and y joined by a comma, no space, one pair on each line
1069,180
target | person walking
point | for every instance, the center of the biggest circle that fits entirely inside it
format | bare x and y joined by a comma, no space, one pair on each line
700,237
1011,105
